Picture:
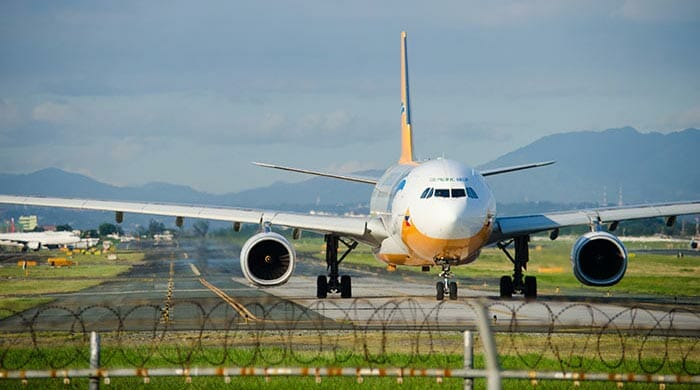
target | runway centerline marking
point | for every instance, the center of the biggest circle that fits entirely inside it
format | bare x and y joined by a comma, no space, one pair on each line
237,306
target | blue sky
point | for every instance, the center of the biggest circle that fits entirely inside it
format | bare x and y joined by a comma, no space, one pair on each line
190,93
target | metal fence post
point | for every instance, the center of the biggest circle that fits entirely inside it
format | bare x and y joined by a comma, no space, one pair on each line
94,360
468,358
490,354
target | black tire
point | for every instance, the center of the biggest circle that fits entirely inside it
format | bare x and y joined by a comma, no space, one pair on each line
530,287
321,287
506,287
345,287
440,291
453,290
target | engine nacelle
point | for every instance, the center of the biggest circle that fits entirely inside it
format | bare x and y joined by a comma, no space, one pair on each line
267,259
599,259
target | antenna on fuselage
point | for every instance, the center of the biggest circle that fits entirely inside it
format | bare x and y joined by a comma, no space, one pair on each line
406,131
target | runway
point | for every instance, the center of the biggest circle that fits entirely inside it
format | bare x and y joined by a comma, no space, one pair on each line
202,288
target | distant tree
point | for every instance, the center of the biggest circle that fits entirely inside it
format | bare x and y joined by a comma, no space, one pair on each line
141,231
92,233
64,228
109,228
38,229
155,227
201,228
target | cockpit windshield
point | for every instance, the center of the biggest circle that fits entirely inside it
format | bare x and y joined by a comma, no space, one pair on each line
442,193
458,193
449,193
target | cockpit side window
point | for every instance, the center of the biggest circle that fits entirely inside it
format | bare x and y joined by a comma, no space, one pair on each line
442,193
471,193
425,193
430,193
458,193
401,185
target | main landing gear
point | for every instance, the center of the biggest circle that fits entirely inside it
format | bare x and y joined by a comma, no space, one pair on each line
445,286
517,284
334,283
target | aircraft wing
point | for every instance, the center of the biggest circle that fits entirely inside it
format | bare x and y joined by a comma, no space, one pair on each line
355,178
364,229
509,227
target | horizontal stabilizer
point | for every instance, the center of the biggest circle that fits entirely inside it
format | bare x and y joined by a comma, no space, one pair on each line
358,179
498,171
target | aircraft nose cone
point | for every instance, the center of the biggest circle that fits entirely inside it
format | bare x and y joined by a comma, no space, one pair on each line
454,219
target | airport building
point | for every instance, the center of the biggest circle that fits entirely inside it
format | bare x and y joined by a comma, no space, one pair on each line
28,222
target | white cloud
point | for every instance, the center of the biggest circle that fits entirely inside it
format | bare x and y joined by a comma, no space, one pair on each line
686,119
126,149
352,166
272,122
53,112
331,121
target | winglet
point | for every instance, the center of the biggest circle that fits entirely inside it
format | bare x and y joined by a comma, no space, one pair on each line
406,132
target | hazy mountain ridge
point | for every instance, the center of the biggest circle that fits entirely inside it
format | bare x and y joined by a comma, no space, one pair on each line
647,166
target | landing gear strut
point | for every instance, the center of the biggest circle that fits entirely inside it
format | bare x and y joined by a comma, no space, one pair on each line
517,284
445,285
334,283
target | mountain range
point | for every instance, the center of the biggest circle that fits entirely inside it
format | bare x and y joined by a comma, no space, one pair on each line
593,167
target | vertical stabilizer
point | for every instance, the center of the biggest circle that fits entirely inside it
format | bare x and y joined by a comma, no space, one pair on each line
406,132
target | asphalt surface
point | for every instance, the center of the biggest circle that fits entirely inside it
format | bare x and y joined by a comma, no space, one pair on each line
202,288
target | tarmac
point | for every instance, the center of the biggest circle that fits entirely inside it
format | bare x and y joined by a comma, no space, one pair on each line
202,288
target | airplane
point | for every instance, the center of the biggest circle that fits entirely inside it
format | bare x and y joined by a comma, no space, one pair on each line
38,240
434,213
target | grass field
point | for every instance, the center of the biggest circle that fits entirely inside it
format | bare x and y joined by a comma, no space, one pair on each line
521,352
654,274
22,289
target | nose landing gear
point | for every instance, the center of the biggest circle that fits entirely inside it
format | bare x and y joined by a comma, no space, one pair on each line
445,286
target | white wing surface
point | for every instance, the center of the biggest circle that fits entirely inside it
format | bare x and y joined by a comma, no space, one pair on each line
365,229
508,227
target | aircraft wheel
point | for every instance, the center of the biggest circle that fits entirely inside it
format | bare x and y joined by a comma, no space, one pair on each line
345,287
506,287
530,287
321,287
453,290
440,291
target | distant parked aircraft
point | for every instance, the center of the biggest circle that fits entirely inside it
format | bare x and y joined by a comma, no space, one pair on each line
38,240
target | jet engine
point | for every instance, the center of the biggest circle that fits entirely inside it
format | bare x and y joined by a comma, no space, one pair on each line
599,259
267,259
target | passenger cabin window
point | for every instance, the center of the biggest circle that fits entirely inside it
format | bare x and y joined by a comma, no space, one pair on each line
471,193
442,193
458,193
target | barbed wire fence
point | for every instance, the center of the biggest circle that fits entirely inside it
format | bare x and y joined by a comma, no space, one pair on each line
358,338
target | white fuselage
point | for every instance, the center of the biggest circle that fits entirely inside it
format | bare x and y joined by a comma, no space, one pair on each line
436,210
35,240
